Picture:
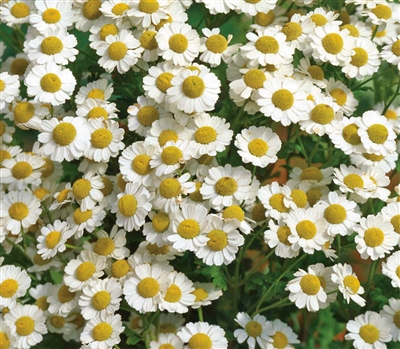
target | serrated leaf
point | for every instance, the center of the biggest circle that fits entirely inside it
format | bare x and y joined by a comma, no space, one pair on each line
133,337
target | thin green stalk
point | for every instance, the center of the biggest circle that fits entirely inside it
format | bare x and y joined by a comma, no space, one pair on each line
282,303
254,269
73,247
372,78
339,246
200,313
314,151
392,99
374,33
371,274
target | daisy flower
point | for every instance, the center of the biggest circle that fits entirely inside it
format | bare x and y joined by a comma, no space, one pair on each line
345,136
391,213
87,14
19,210
145,13
14,283
6,132
158,230
61,300
256,330
132,207
178,42
28,324
341,214
205,293
224,6
391,52
178,296
50,83
87,191
101,298
391,314
84,271
392,114
17,173
9,88
102,331
375,238
236,213
116,9
53,238
167,129
376,133
391,268
194,90
320,17
277,236
272,197
369,330
276,16
66,139
282,337
98,89
95,108
267,47
166,340
380,180
348,283
311,175
112,245
27,115
226,186
297,31
382,14
312,72
342,96
121,51
202,334
386,163
306,290
15,12
144,290
40,293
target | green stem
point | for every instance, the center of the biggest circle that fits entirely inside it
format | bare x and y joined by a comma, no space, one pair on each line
371,274
274,305
339,246
73,247
254,269
392,99
374,33
200,313
314,151
373,78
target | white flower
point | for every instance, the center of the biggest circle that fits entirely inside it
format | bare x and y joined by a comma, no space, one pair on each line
61,300
385,163
40,293
98,89
391,52
391,314
369,330
202,334
27,115
391,268
342,96
166,129
145,13
252,8
223,6
348,283
310,72
312,175
391,213
272,197
96,108
345,136
283,336
205,293
14,283
256,330
166,339
15,12
277,236
9,88
51,15
85,220
158,230
87,191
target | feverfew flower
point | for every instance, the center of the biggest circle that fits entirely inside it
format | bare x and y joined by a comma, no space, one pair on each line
391,314
256,330
14,283
391,268
201,334
9,88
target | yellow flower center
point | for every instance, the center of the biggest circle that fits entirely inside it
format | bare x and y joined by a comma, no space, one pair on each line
339,96
147,115
4,154
81,217
316,72
396,319
101,300
391,114
119,9
23,112
258,212
25,325
102,331
166,136
283,99
42,303
310,284
51,16
148,6
233,211
117,50
313,196
85,271
319,20
81,188
38,260
141,164
306,229
299,197
127,205
353,181
101,138
57,321
360,58
163,81
398,271
163,22
178,43
188,228
205,159
352,29
322,114
253,329
258,147
20,10
205,135
369,333
65,295
280,341
52,239
333,43
148,40
96,93
254,78
292,30
64,134
216,43
395,221
196,195
283,234
91,9
382,11
18,211
200,294
97,112
51,45
396,48
148,287
267,45
374,237
193,87
18,66
108,186
63,195
170,188
173,294
378,133
335,214
166,346
154,249
352,283
8,288
160,222
311,174
218,240
226,186
373,157
120,268
104,246
21,170
171,155
276,202
50,83
200,341
265,19
106,30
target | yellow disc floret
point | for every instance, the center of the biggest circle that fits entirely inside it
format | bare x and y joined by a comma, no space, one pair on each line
120,8
396,48
378,133
193,86
148,40
188,228
306,229
8,288
23,112
170,188
374,237
276,202
292,30
369,333
360,58
97,112
299,197
310,284
319,20
148,287
18,211
280,340
335,214
216,43
339,96
25,325
382,11
51,83
91,9
64,134
173,295
96,93
20,10
141,164
353,181
81,188
106,30
102,331
350,134
85,271
101,300
51,16
200,341
333,43
352,283
264,19
81,217
171,155
267,45
258,147
52,239
104,246
233,211
178,43
352,29
148,6
120,268
283,99
51,45
64,295
147,115
322,114
254,78
311,174
200,294
127,205
226,186
117,50
163,81
205,135
283,234
21,170
316,72
101,138
253,329
218,240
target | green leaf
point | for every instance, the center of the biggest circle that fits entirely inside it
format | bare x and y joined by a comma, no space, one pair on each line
133,337
218,276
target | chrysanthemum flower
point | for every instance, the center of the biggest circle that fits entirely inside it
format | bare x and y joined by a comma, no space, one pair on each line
145,13
98,89
391,313
16,12
342,96
14,283
283,336
61,300
88,220
345,136
27,115
166,339
277,236
9,88
256,330
391,268
202,334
